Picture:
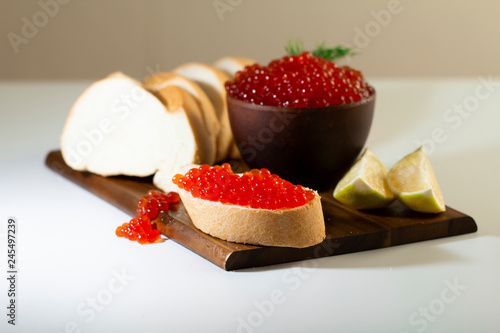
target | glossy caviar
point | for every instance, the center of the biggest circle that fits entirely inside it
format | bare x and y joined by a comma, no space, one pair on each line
140,228
299,81
255,188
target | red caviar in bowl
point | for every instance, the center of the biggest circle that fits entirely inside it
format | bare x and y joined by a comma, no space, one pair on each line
255,188
140,228
300,81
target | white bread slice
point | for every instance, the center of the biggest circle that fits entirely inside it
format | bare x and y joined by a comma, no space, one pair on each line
231,65
174,97
298,227
158,81
116,127
212,81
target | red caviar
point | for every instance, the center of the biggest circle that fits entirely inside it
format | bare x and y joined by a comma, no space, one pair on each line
140,227
255,188
299,81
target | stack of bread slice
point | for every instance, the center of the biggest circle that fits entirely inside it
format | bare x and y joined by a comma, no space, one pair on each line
121,126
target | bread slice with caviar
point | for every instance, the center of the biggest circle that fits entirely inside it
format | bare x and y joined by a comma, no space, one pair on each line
287,216
212,81
116,127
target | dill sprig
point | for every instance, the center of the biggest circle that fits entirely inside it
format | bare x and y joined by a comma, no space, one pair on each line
296,47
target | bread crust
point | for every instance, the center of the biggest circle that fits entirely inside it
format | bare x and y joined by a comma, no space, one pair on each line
298,227
212,81
173,98
161,80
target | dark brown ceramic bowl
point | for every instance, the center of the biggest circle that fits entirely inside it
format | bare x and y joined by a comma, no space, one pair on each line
313,147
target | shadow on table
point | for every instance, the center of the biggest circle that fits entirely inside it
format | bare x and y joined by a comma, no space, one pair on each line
432,252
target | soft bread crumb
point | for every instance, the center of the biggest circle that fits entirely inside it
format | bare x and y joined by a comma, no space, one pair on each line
109,135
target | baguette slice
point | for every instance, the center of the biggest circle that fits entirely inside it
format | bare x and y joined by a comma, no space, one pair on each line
298,227
116,127
212,81
231,65
158,81
175,98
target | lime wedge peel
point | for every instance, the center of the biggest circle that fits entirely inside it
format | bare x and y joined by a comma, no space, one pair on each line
369,185
414,183
364,186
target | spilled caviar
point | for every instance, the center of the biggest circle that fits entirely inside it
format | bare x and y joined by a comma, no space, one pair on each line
140,228
255,188
301,80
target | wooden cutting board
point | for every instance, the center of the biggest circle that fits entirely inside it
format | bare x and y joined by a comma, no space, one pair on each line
347,230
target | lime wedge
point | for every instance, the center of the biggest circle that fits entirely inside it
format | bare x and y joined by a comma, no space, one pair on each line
365,186
413,182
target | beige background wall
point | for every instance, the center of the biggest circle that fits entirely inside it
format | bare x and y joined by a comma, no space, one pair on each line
78,39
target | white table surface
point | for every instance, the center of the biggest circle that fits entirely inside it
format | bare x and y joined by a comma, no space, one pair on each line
75,275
